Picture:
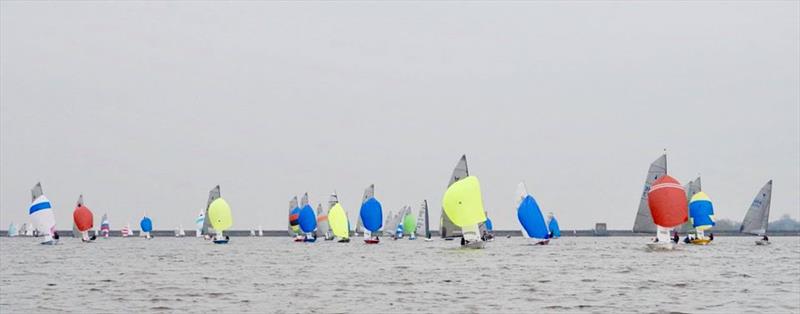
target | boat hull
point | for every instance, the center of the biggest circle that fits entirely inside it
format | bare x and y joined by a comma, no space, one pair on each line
50,242
344,240
372,241
310,240
762,242
701,241
543,242
474,245
222,241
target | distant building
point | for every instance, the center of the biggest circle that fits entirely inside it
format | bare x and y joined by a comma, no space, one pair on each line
600,229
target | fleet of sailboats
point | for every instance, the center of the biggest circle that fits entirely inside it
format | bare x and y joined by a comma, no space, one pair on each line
664,207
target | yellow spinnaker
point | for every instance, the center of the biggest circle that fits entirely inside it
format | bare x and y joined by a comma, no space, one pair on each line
463,203
220,214
337,219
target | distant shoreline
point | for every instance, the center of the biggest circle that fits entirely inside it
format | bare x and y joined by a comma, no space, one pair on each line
435,234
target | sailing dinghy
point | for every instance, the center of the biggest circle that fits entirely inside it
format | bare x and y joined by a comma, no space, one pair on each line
447,229
219,216
668,209
12,230
423,225
147,226
323,226
294,220
198,222
462,205
756,220
41,212
410,224
552,225
83,219
307,220
337,219
701,215
105,227
371,215
530,217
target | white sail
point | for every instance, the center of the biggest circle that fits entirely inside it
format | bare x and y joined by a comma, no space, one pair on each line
447,228
41,212
757,218
644,220
323,228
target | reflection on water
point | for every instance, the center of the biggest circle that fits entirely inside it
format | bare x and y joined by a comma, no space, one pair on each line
280,276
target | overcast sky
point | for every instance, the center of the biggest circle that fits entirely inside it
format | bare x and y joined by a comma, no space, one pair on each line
145,106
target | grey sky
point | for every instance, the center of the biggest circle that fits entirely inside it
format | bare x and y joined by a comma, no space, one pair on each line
148,105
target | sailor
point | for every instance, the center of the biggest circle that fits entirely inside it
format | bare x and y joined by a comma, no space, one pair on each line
484,235
55,235
711,236
463,241
686,239
765,238
676,238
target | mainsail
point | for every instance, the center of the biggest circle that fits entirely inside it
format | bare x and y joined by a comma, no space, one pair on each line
447,228
323,228
423,228
369,192
212,196
757,218
692,188
644,221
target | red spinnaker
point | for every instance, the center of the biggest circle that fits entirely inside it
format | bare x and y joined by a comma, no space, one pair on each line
667,200
83,218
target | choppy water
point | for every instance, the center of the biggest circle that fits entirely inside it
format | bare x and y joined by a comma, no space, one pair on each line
276,275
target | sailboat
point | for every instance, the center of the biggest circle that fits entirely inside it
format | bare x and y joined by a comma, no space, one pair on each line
206,230
398,222
369,192
756,220
371,214
530,217
323,227
199,221
644,220
552,225
12,230
410,225
126,231
307,220
692,188
179,232
294,220
147,226
668,209
423,222
219,214
447,229
105,227
337,219
487,228
252,232
84,219
462,205
701,215
41,212
260,231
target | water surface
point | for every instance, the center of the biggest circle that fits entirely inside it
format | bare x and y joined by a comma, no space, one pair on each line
275,275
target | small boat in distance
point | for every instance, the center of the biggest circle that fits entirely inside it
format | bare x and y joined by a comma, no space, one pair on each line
199,221
371,215
667,202
337,218
410,224
701,215
530,217
179,232
12,230
126,231
83,219
307,220
323,227
463,205
147,226
105,227
41,213
552,225
756,220
423,222
294,220
219,214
